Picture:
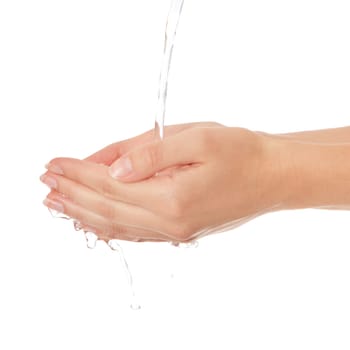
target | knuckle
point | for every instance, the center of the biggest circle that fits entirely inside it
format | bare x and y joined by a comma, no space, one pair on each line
106,210
107,188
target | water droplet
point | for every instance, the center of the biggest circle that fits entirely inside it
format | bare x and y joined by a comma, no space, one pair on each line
135,306
114,245
180,247
192,244
77,226
187,245
57,215
91,239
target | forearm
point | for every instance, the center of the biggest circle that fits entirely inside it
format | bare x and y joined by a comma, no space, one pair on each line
336,135
312,174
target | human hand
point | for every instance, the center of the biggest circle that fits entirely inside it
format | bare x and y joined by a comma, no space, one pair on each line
111,153
210,178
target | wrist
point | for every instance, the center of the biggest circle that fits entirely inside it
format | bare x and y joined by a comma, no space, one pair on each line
308,174
276,175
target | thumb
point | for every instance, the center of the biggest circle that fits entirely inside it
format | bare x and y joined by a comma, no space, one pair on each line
145,161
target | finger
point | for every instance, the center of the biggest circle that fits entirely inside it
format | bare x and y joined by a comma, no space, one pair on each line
133,236
106,155
150,195
111,210
182,149
109,154
105,229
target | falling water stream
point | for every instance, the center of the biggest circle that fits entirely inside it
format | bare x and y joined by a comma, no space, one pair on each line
91,238
169,41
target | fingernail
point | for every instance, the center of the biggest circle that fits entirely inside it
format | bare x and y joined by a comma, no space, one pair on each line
54,205
54,169
121,168
49,181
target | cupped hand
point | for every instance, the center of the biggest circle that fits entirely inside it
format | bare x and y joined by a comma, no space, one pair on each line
112,152
201,179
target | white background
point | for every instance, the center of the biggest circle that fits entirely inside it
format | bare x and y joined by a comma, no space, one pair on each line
77,75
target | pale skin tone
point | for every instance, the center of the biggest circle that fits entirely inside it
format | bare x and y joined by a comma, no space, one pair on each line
203,178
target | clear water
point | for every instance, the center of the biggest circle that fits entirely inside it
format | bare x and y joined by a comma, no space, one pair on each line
57,215
170,34
91,238
115,246
172,24
91,242
193,244
77,226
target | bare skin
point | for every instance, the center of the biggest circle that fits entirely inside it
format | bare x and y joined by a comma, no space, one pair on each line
203,178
